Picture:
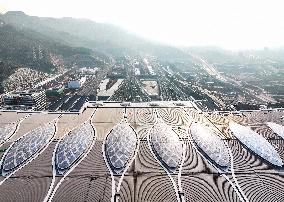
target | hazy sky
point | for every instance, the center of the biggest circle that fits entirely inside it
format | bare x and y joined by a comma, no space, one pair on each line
231,24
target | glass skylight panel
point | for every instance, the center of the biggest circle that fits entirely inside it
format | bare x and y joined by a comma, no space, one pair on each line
277,128
210,144
166,145
120,146
73,146
6,131
24,148
256,143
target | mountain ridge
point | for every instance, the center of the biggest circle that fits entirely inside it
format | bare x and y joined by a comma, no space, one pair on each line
23,47
101,37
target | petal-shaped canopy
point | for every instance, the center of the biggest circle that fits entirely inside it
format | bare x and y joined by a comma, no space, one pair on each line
71,148
26,147
211,144
6,131
120,146
277,128
166,145
257,143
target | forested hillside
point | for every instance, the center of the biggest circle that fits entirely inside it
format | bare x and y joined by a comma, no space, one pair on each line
23,47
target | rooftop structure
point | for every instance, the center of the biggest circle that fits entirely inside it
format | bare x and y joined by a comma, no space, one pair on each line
141,152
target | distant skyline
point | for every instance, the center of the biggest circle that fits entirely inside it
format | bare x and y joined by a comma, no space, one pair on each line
238,24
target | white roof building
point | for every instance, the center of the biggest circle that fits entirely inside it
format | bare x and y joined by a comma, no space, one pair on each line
105,93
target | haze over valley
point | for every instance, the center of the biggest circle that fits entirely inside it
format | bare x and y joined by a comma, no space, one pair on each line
117,65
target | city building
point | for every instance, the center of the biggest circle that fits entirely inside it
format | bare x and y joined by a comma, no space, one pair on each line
31,99
74,84
54,92
152,88
107,88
